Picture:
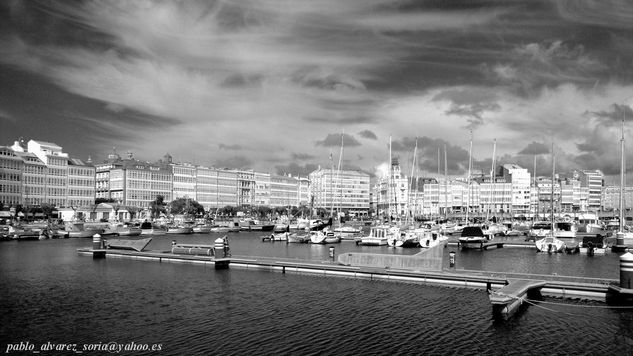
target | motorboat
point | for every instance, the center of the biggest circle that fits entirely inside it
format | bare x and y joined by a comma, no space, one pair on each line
202,228
565,229
540,229
406,238
147,228
550,244
78,229
296,238
593,245
472,237
589,223
255,225
380,235
276,237
121,230
317,237
179,230
430,239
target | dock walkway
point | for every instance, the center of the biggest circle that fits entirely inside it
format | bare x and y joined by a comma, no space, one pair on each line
507,300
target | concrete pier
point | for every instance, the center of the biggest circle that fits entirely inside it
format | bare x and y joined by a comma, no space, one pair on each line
507,290
507,300
430,259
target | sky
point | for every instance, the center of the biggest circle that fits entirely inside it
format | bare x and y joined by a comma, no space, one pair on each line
281,86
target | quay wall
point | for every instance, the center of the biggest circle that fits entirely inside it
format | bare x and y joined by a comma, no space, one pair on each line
431,259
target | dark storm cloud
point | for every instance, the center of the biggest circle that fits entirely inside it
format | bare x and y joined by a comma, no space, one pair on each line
427,156
617,113
296,170
235,162
335,140
535,148
301,156
368,135
184,76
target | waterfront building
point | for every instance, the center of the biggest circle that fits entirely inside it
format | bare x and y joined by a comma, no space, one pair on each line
303,191
283,191
495,196
593,180
519,179
245,187
11,168
81,183
227,188
184,178
56,163
393,192
262,189
130,182
206,186
346,191
611,198
38,172
430,196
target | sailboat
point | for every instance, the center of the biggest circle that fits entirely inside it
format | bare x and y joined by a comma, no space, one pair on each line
623,238
408,237
550,243
471,236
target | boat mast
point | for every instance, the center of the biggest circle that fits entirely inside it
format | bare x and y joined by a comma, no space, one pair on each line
389,184
622,168
492,180
331,186
445,184
340,182
470,161
415,150
551,199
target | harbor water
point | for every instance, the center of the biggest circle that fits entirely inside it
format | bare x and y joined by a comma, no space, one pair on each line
50,294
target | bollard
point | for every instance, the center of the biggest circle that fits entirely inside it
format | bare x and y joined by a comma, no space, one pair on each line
332,253
218,246
451,259
619,238
626,270
97,242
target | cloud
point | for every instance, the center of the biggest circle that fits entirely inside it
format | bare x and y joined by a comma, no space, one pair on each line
535,148
471,103
368,135
336,140
234,162
610,13
296,170
550,63
301,156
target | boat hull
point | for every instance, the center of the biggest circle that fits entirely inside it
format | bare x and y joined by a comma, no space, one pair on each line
180,230
472,243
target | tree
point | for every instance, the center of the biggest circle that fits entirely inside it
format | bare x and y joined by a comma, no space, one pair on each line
104,200
186,206
157,207
47,209
263,211
227,210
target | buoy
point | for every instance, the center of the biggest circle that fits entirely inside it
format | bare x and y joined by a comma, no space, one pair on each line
626,270
97,242
218,246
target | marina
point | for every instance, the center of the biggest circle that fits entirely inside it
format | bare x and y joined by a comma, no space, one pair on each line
426,267
247,295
